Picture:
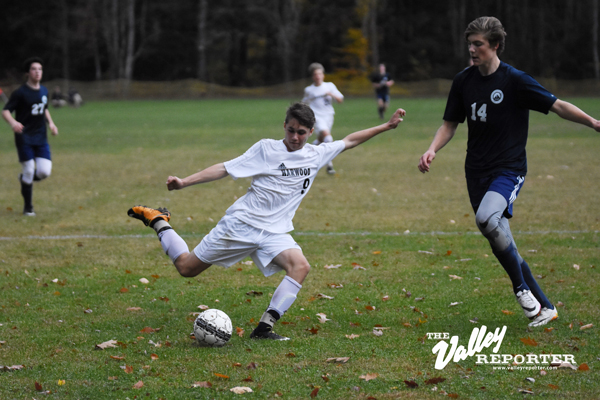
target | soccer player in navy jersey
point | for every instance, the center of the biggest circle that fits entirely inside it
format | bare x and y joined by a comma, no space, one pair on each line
495,98
30,104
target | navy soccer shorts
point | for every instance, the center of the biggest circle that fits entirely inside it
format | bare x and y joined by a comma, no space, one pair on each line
507,183
29,152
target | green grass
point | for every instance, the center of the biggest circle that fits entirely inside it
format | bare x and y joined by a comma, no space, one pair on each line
112,155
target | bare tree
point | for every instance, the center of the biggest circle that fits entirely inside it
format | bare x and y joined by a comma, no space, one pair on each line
201,41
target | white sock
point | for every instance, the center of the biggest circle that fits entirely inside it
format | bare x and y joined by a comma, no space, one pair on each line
328,139
172,244
285,295
316,142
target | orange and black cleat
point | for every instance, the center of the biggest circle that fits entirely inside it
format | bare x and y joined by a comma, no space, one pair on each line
149,215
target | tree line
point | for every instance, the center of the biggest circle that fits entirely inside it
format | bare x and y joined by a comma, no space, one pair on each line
265,42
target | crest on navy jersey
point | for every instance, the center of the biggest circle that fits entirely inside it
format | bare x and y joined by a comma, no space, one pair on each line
497,96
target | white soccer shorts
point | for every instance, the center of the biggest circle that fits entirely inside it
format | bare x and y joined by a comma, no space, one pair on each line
323,123
233,240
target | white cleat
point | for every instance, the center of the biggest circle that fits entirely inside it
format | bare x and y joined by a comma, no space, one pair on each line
531,307
545,316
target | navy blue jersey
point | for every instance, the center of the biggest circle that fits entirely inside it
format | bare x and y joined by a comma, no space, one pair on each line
382,79
29,106
497,111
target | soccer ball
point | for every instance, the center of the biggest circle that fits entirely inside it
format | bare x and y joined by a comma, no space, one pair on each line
213,328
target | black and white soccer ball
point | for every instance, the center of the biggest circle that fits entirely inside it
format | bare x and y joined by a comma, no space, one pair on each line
213,328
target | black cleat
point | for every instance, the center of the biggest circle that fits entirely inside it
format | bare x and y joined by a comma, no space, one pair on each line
267,335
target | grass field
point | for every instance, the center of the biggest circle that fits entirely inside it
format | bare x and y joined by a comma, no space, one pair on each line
407,230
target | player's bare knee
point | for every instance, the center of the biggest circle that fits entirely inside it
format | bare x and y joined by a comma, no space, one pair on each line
302,268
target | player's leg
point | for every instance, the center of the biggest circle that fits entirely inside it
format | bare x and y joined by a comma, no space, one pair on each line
380,107
548,312
489,214
26,180
296,267
43,168
187,264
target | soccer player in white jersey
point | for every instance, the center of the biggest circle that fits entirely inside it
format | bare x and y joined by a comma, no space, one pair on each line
258,224
319,96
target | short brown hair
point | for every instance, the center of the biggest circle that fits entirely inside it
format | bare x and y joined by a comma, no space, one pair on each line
29,61
302,113
491,28
315,66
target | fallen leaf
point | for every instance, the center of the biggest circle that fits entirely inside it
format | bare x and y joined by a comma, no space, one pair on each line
529,341
526,391
323,318
434,381
453,277
149,330
248,379
11,367
314,392
377,332
203,307
221,376
377,252
584,327
368,377
370,308
323,296
583,367
124,290
164,298
105,345
241,390
342,360
507,312
204,384
239,331
411,384
325,377
576,267
144,281
563,365
134,309
57,293
425,252
290,355
254,293
138,385
332,266
127,368
117,357
38,387
352,336
154,356
455,303
313,330
335,285
357,266
385,298
112,378
252,365
551,386
407,324
453,395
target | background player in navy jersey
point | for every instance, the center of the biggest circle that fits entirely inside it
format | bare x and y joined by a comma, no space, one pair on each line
496,99
382,81
30,104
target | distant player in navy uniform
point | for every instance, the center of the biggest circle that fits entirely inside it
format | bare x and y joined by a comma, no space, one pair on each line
30,104
495,98
382,81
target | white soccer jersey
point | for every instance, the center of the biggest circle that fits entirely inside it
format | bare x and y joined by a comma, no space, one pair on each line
319,102
280,181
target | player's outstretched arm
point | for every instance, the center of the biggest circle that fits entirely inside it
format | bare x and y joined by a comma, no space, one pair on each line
15,125
573,113
442,137
209,174
51,125
356,138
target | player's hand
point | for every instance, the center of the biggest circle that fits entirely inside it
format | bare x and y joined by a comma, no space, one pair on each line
17,127
53,129
174,183
426,160
396,118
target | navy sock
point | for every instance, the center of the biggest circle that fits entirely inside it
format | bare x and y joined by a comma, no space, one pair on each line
509,259
27,193
535,288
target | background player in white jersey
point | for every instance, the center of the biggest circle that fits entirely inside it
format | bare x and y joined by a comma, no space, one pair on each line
258,224
319,96
495,98
30,105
